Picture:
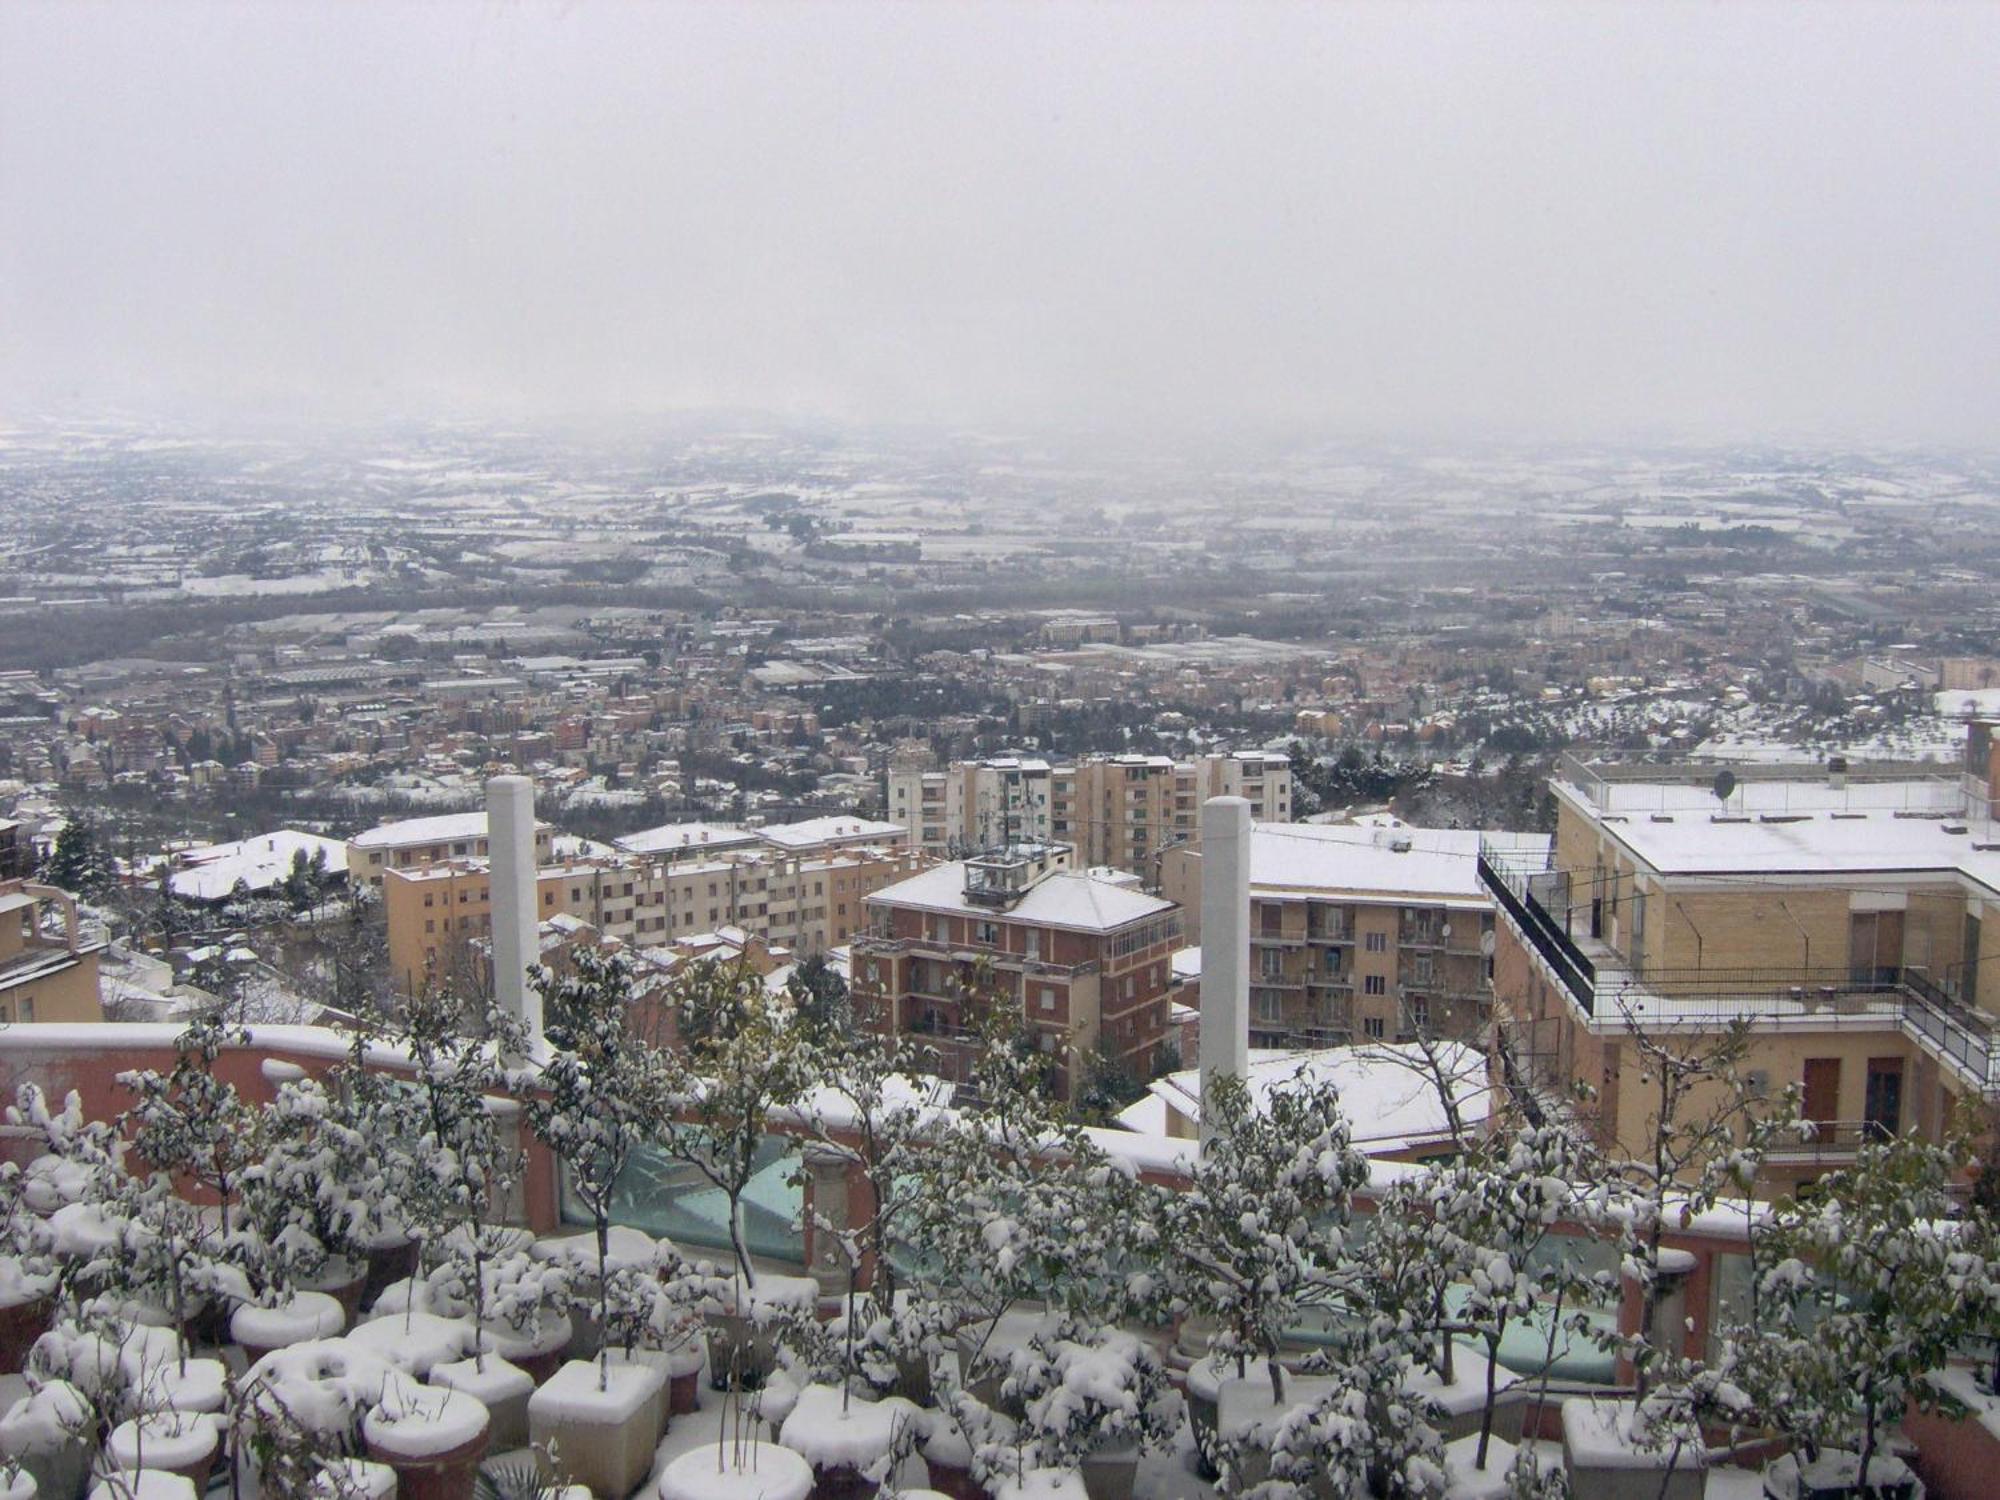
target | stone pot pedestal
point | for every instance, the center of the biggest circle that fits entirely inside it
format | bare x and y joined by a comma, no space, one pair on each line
1605,1464
21,1323
600,1437
1110,1472
503,1388
183,1443
761,1469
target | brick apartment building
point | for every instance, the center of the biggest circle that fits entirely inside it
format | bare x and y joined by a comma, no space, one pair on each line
1086,958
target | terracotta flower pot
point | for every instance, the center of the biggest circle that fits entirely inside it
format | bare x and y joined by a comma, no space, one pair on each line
183,1443
423,1470
955,1481
843,1482
387,1265
21,1323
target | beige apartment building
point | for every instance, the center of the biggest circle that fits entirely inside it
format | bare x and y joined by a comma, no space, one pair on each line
1084,959
1361,932
413,843
439,915
44,975
1120,811
1847,915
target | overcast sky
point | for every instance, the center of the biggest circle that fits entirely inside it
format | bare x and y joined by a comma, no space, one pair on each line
1588,221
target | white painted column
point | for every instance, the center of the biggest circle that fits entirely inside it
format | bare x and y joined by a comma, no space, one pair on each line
1225,939
510,835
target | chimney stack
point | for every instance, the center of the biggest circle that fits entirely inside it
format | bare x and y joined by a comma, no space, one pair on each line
1225,941
510,843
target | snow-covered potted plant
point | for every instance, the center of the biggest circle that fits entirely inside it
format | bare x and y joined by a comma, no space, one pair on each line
1862,1289
432,1437
594,1102
1093,1402
50,1433
740,1061
1258,1238
851,1442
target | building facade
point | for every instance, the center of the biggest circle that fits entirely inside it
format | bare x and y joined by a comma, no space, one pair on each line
1361,932
1084,960
48,966
1121,811
439,916
1846,917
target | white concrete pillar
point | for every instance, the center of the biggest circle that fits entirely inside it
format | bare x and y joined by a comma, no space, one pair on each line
510,839
1225,939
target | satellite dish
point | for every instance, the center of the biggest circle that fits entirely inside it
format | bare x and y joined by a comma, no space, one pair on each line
1725,784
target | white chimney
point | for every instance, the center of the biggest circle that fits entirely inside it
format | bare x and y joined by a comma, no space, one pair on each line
510,838
1225,940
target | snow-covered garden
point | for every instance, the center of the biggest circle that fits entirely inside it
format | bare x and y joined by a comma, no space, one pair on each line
329,1291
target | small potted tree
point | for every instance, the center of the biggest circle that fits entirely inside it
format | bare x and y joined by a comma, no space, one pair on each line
739,1063
1865,1287
594,1102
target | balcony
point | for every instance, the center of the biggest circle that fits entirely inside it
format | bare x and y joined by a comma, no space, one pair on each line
1826,1143
1612,997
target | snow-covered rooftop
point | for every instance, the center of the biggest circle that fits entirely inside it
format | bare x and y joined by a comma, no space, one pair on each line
432,830
814,832
673,838
1065,898
1438,866
211,871
1386,1090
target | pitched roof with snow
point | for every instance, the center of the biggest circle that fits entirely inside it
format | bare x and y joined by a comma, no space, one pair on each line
1065,898
210,872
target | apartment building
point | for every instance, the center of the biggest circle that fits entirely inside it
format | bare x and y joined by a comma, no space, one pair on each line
45,974
1116,810
1362,932
1845,914
439,915
415,842
1084,957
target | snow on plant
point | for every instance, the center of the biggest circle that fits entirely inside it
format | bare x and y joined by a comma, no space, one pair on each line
62,1213
460,1162
308,1201
1496,1212
1260,1235
871,1111
1370,1432
599,1097
740,1062
1085,1393
1866,1286
190,1122
1691,1156
1017,1204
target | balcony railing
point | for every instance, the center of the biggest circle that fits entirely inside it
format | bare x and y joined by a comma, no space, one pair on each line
1828,1141
1510,888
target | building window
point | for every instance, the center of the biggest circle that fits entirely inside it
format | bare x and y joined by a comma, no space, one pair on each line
1371,1027
1377,942
1270,1006
1271,962
1374,984
1420,1013
1048,999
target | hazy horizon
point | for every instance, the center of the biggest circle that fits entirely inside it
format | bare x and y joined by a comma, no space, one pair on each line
1567,223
